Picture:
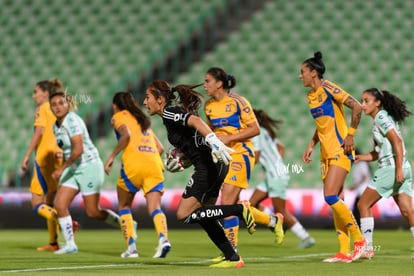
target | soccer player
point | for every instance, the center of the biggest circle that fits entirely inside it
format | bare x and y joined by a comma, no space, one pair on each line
141,169
81,171
269,153
232,119
394,175
48,158
178,106
326,102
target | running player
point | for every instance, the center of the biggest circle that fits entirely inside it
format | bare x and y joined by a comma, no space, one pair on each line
48,158
232,119
138,143
326,103
394,175
210,158
81,171
269,153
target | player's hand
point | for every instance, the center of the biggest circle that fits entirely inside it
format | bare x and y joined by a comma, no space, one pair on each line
219,151
25,163
108,165
399,175
306,155
348,144
172,164
57,174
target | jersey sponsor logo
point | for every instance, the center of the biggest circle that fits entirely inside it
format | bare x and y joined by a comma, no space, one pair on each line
90,185
146,149
236,166
233,178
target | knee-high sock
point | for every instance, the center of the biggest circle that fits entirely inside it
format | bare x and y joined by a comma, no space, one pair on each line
260,217
112,218
299,231
67,230
160,223
216,234
231,228
127,226
347,218
367,229
342,235
49,213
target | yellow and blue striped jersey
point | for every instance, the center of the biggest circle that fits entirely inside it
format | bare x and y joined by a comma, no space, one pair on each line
231,115
141,148
327,108
47,147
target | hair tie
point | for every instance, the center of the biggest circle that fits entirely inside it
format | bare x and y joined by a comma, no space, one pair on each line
380,93
229,77
173,89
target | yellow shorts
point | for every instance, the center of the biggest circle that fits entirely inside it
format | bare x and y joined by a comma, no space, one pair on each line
42,181
341,160
148,178
240,170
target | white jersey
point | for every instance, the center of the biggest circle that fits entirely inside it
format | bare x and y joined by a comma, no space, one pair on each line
383,123
71,126
270,158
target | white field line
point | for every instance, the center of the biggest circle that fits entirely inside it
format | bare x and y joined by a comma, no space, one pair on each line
139,264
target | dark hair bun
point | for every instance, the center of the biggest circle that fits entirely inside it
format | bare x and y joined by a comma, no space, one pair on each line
317,55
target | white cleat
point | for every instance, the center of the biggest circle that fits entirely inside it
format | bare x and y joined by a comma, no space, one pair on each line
164,246
67,249
128,254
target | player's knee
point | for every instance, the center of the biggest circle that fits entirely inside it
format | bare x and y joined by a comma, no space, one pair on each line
93,213
331,199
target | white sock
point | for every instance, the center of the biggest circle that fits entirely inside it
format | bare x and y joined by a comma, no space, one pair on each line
272,222
112,219
412,231
367,229
67,230
299,231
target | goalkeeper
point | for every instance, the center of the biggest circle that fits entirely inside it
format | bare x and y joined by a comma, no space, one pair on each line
210,157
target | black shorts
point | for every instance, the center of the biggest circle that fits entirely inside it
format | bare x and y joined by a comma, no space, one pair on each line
205,183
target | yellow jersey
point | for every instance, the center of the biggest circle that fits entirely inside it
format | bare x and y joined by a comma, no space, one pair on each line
47,147
327,108
141,148
231,115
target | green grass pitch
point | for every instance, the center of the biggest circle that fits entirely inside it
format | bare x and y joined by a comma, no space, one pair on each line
191,251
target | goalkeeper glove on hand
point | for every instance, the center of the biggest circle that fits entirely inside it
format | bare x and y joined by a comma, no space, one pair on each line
172,164
219,151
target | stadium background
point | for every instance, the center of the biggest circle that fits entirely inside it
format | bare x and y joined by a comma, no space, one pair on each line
100,47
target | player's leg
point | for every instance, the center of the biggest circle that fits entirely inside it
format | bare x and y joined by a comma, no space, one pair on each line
153,199
404,202
63,200
126,222
230,195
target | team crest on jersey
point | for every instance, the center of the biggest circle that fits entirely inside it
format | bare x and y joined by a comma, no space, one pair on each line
320,99
228,107
247,109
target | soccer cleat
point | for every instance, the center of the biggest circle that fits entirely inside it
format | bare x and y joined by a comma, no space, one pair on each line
359,249
49,247
306,243
339,258
278,230
67,249
247,216
218,259
162,249
128,254
228,264
368,254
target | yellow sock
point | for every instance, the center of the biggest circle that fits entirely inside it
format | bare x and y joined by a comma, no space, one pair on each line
49,213
260,217
347,218
160,223
342,235
127,225
231,228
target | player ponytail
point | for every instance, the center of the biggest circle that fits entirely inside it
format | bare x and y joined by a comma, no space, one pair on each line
271,125
394,106
188,98
126,101
229,81
316,63
50,86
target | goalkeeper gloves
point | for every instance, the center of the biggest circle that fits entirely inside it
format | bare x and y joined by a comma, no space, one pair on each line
219,151
172,164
